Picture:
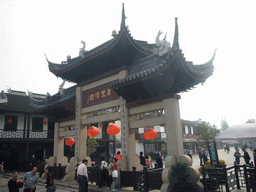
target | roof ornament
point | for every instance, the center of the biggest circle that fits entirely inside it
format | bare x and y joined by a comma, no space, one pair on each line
114,33
68,58
123,18
82,50
61,87
175,44
163,45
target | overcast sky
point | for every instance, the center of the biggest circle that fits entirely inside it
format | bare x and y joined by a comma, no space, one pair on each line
30,29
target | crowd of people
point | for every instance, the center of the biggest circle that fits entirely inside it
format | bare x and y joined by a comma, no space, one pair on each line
108,171
203,155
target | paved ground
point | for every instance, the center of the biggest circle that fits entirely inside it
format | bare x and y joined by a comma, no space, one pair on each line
72,186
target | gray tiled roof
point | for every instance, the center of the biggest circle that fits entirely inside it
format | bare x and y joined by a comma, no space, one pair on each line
17,103
244,131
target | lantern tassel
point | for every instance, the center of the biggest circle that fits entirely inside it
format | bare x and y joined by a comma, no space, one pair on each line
71,147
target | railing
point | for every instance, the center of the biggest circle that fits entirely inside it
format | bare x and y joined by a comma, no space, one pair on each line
19,134
231,178
144,180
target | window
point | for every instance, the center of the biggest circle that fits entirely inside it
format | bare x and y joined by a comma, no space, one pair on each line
37,124
11,122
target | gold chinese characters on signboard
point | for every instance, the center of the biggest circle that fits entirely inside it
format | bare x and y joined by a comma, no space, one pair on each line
99,94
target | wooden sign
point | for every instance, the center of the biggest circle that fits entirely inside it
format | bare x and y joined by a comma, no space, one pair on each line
97,95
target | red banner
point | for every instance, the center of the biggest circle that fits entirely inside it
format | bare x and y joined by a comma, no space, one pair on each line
118,157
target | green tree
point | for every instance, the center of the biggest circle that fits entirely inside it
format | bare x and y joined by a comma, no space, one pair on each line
206,132
224,124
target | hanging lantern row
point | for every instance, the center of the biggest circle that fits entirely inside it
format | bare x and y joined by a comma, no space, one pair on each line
150,134
113,129
70,142
93,131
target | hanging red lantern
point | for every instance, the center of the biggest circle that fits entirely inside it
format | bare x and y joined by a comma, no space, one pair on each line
93,131
70,142
101,125
150,134
45,122
9,121
113,129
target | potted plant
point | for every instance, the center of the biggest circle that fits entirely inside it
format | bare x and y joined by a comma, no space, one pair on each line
180,172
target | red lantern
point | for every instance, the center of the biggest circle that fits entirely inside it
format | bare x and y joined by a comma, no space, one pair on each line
101,125
93,131
113,129
150,134
9,121
45,122
70,141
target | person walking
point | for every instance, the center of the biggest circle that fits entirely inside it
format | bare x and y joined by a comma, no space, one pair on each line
204,156
1,170
32,162
142,159
200,156
30,180
189,154
228,149
115,175
237,155
50,187
159,161
246,156
82,176
148,163
103,172
110,168
254,157
14,184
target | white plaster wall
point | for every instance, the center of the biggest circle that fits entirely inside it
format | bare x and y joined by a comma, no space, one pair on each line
139,148
186,129
20,125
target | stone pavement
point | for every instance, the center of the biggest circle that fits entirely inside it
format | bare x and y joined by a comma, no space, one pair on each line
72,186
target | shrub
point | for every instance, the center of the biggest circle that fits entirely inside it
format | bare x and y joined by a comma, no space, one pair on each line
180,172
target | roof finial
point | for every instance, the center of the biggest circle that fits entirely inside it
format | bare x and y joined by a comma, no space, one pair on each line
123,18
175,44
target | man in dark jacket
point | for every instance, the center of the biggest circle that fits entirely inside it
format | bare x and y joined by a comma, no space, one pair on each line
246,156
159,161
142,159
200,154
14,184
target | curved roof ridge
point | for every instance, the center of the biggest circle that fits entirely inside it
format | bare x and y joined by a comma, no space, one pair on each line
206,63
196,71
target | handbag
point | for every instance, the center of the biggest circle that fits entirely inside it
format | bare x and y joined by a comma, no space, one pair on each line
115,173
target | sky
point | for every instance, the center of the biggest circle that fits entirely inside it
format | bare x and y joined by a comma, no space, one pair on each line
30,29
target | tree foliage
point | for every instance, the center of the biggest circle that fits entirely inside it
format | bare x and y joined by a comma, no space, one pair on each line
224,124
206,132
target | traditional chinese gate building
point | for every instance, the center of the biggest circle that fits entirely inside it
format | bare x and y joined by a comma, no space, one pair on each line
123,79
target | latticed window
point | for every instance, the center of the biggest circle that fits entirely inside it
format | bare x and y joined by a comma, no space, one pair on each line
37,124
11,122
